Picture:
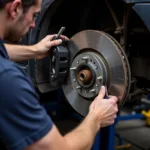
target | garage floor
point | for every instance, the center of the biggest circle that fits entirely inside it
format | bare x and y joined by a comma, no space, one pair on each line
134,132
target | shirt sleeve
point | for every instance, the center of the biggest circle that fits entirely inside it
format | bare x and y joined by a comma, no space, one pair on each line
22,119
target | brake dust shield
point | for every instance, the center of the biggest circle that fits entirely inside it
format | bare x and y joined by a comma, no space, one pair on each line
96,59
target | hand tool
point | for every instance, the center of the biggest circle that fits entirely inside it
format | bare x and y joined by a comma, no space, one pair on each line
106,96
111,128
62,29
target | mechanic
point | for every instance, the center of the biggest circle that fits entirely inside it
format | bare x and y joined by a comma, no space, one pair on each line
37,51
24,123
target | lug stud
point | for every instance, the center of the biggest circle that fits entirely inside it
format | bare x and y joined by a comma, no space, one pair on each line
92,91
73,68
85,58
78,87
99,78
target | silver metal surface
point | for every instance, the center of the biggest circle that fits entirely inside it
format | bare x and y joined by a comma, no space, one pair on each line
117,68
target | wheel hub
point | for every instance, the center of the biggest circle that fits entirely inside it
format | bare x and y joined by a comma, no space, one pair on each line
87,73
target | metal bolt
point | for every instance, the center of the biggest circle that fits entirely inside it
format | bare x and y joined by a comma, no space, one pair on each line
96,67
99,78
85,58
78,87
92,91
73,68
96,85
85,91
74,80
77,62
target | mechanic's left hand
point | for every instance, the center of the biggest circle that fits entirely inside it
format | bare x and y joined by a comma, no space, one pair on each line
42,48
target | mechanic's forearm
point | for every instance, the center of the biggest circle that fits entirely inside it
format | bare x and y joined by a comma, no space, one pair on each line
20,52
82,137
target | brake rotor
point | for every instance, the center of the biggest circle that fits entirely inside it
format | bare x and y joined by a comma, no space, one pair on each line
96,59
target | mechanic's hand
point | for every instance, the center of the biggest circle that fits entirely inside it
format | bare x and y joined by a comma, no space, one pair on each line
42,48
105,110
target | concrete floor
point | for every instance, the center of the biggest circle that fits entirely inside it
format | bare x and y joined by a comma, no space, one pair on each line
135,132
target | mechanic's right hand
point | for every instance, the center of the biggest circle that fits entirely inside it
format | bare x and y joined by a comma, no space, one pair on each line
105,110
42,48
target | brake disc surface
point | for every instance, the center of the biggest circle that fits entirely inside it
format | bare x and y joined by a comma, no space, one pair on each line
96,59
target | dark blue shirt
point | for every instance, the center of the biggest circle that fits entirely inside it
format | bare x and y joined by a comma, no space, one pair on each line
23,120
